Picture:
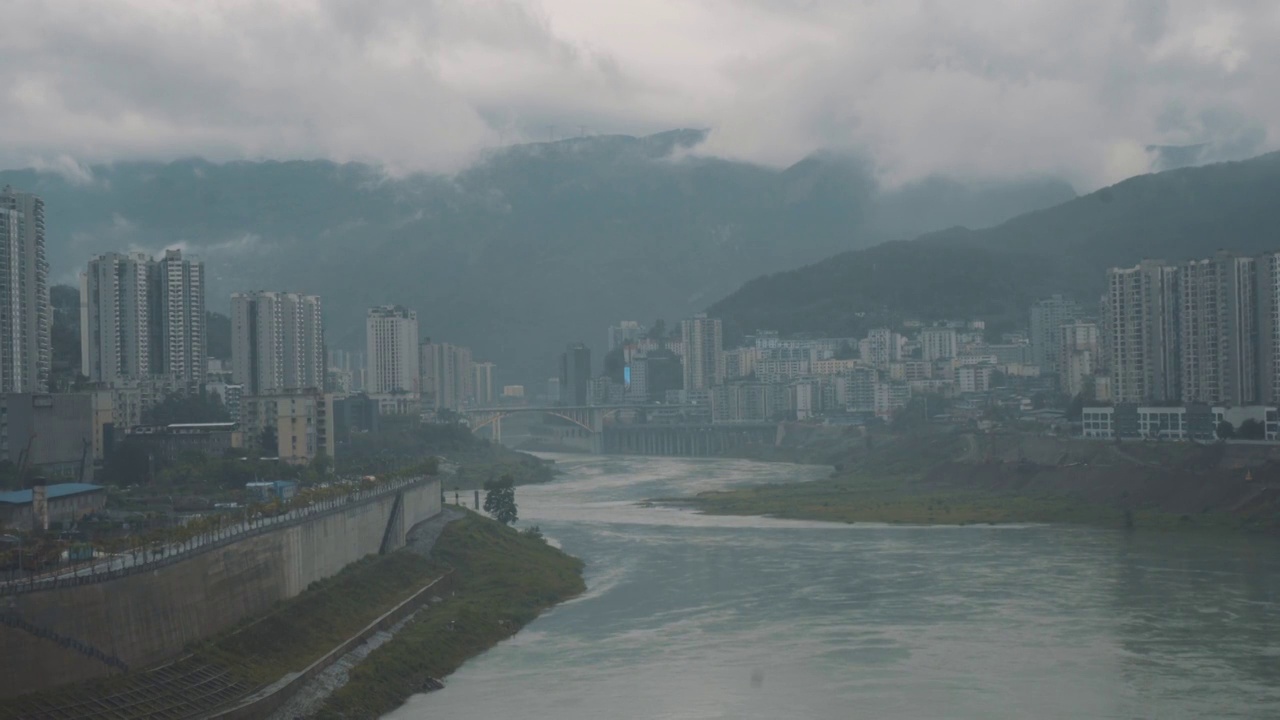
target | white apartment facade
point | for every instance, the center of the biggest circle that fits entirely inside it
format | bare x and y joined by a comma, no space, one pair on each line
26,316
938,343
1142,329
392,344
143,318
277,342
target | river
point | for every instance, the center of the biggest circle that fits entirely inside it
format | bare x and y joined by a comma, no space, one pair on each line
692,617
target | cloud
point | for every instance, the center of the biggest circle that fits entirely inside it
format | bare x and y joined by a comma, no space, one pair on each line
988,88
64,166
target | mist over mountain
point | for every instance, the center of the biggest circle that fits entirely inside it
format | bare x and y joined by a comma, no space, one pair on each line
532,247
995,274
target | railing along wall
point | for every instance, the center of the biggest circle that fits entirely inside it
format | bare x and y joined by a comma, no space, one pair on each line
206,542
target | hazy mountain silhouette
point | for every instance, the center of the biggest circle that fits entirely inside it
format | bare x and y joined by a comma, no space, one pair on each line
530,248
996,273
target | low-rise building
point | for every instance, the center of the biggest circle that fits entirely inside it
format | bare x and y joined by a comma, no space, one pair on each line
131,398
974,378
273,490
302,421
750,402
398,403
355,414
890,397
61,503
167,443
1186,422
229,394
910,370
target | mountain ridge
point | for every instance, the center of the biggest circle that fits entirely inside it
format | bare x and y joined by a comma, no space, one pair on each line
530,248
997,272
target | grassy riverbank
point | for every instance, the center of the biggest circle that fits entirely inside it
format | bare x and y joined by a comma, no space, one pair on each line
505,579
857,499
299,631
970,478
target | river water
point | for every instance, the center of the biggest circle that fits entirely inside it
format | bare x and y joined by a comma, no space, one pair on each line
689,616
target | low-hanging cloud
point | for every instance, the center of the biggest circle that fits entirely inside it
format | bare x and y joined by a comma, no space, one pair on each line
1088,89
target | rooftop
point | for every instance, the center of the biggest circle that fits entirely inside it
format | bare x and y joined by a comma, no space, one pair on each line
22,497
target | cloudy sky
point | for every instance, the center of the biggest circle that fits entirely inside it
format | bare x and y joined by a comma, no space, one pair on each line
1078,88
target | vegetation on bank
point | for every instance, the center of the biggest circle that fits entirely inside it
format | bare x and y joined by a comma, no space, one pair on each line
865,499
505,579
299,631
402,442
939,477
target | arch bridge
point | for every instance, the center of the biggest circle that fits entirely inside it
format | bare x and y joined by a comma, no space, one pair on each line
590,418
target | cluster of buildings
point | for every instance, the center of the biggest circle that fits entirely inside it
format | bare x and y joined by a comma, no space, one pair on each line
770,378
1185,342
1173,351
144,338
403,372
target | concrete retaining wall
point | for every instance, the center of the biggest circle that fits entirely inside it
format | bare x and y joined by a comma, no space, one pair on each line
150,617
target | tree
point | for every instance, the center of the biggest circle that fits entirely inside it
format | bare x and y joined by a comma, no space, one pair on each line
269,442
218,331
182,408
1252,430
319,467
615,363
128,464
1226,430
1075,410
500,499
448,416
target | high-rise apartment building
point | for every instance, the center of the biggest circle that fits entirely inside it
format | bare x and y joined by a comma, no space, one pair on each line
447,377
1142,332
1046,317
391,333
116,331
26,317
482,384
1267,319
182,317
142,318
703,341
575,375
1078,355
938,343
277,342
1216,330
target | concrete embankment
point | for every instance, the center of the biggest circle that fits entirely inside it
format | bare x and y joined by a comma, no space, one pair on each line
307,692
149,617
